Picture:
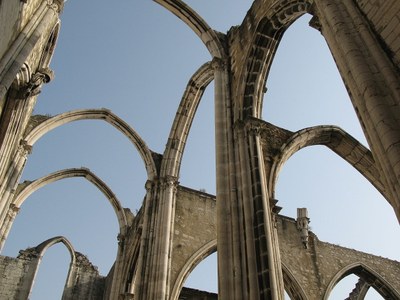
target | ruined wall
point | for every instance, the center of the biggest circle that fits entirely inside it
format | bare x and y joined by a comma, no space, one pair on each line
194,227
192,294
384,17
311,272
320,266
12,271
86,282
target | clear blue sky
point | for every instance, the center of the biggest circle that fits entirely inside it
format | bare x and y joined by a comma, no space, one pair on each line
135,58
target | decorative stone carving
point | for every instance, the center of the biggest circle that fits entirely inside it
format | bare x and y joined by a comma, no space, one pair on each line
302,225
33,87
218,64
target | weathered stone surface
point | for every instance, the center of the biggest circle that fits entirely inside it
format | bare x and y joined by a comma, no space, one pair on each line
260,253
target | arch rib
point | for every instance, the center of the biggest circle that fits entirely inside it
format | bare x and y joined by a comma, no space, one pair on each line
192,262
340,142
259,55
42,247
96,114
368,275
292,286
184,118
26,191
207,35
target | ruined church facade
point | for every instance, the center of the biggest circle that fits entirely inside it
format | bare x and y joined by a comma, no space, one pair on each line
261,254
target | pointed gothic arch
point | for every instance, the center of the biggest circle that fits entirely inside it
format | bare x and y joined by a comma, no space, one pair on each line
96,114
264,44
367,274
33,186
340,142
292,286
206,34
183,120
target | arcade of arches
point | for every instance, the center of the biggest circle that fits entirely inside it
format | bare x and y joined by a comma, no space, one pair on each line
262,253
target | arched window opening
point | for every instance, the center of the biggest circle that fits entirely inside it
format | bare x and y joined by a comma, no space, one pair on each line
54,266
72,208
344,287
341,203
352,286
198,163
204,275
304,87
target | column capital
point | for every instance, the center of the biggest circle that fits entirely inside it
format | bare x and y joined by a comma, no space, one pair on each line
13,209
24,148
219,64
169,181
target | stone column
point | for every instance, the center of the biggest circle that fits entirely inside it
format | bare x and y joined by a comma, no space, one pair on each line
227,278
372,81
6,225
152,281
266,245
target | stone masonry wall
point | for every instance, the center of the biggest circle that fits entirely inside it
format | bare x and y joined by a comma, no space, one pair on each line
195,226
316,267
313,269
384,16
12,270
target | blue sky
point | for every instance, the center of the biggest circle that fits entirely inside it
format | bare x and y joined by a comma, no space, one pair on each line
135,58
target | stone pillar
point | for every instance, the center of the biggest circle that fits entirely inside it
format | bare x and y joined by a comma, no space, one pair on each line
249,265
228,279
6,225
152,281
372,81
266,245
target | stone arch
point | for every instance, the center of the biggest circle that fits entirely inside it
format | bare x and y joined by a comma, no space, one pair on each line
340,142
368,275
292,286
265,42
33,186
42,247
184,118
34,255
190,264
207,35
96,114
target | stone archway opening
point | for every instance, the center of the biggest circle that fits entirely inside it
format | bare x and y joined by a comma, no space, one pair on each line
54,264
341,203
72,208
351,285
204,275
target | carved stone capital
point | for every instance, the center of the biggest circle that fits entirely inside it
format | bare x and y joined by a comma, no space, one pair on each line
315,23
57,5
169,181
24,149
254,129
34,85
218,64
121,239
149,185
13,210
